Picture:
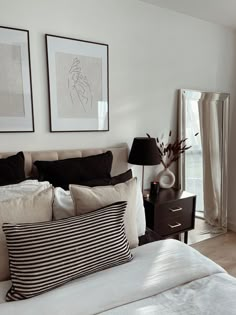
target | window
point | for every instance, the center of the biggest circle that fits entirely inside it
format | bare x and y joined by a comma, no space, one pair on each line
193,156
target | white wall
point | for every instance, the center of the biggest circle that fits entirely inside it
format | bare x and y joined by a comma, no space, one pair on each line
153,52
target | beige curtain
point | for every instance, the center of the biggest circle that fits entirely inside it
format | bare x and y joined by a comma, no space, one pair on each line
210,114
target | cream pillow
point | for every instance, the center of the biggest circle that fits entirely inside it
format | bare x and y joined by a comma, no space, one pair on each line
27,209
63,207
87,199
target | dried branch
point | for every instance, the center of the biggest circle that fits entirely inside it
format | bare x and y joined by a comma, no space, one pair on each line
171,151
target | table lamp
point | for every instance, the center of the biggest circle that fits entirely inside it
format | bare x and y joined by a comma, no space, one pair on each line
143,152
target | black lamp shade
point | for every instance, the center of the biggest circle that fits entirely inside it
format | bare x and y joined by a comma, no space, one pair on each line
144,151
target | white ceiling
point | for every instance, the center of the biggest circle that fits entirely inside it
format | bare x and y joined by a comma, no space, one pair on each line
217,11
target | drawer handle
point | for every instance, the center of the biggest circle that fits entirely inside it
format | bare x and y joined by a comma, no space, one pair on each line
174,226
176,209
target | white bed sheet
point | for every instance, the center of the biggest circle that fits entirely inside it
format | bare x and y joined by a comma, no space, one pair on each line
162,275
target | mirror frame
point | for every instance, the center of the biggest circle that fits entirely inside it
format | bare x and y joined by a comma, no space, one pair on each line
225,99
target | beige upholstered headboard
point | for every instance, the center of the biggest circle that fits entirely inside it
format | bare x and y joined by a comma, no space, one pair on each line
119,165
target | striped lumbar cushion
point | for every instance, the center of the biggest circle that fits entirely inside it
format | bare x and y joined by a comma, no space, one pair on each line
48,254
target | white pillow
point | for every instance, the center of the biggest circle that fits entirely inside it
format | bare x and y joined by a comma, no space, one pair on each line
87,199
63,207
36,207
23,188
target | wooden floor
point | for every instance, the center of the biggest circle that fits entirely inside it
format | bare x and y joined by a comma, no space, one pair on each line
202,231
221,249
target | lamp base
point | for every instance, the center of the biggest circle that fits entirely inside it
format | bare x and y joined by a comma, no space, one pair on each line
145,192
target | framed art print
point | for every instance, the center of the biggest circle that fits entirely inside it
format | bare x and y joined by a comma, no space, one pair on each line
16,102
78,84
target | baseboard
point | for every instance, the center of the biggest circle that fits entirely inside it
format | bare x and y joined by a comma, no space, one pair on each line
232,226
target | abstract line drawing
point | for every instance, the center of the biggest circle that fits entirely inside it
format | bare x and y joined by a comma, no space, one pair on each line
79,87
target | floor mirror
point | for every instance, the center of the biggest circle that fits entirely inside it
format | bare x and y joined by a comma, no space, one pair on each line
202,169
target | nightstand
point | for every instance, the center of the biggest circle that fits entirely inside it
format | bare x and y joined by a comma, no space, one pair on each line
170,213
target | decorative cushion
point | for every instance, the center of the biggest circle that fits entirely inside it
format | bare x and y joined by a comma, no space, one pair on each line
87,199
30,208
61,173
48,254
63,207
12,169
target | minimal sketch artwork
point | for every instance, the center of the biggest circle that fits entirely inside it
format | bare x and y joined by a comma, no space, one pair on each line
11,81
79,87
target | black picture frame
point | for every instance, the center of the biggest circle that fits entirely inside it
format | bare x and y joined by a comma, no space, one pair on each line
78,84
16,97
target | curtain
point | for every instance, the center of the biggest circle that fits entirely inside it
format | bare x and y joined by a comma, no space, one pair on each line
210,117
193,156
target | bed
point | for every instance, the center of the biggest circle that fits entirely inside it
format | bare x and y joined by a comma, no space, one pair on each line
164,277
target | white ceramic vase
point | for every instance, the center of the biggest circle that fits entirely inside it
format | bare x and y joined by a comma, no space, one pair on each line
166,178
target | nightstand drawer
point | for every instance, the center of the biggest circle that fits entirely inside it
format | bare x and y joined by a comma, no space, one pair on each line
178,208
174,225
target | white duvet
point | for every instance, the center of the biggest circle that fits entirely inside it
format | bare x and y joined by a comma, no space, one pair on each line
165,277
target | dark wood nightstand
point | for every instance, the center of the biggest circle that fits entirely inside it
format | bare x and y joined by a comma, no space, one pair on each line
169,214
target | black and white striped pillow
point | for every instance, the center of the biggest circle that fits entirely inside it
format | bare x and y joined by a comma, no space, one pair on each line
48,254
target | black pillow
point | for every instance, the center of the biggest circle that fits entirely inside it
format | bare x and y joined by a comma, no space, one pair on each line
121,178
75,170
12,169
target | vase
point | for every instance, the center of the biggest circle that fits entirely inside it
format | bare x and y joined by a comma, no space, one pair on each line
166,178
